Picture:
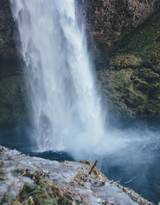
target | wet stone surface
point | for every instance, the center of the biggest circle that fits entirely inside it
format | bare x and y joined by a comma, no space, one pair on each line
32,180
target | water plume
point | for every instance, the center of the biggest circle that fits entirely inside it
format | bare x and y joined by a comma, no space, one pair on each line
66,109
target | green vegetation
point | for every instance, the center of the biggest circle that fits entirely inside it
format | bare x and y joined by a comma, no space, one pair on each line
132,81
12,100
42,192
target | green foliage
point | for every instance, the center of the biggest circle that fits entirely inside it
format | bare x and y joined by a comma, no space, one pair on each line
126,60
144,41
41,192
132,82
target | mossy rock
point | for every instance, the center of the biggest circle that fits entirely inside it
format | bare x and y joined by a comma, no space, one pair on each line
144,42
132,81
36,195
120,90
12,100
147,75
42,192
125,61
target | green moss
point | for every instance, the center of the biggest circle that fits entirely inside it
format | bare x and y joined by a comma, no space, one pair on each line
41,195
12,100
124,94
132,82
42,192
144,42
126,60
147,74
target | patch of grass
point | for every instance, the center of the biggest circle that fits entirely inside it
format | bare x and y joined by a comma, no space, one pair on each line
42,192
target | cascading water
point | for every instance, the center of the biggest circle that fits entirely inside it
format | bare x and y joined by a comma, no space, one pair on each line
66,108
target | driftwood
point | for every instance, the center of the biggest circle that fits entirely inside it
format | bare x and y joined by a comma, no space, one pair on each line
92,168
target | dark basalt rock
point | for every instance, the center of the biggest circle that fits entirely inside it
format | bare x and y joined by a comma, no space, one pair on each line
110,20
8,33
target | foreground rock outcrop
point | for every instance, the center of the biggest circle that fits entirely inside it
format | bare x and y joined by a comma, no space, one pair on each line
28,180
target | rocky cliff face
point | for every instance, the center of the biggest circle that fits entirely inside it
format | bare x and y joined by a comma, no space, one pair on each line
12,89
132,80
108,21
127,32
7,32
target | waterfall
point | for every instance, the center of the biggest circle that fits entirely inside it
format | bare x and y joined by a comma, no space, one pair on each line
66,110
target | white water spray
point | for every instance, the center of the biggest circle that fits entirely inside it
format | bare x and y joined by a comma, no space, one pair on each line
66,108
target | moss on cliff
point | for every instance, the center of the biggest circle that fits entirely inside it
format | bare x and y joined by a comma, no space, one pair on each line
12,100
109,21
145,41
125,61
132,82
